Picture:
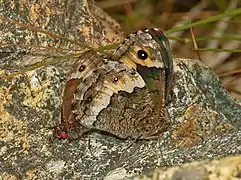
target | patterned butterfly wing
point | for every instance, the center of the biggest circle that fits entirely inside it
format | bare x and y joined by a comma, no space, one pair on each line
149,53
112,98
82,76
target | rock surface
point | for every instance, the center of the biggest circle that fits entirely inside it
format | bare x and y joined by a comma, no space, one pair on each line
205,119
225,169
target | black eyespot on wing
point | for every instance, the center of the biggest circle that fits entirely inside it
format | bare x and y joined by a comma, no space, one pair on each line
133,72
116,79
141,54
88,99
81,68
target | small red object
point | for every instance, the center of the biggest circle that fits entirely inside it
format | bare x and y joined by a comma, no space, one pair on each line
63,135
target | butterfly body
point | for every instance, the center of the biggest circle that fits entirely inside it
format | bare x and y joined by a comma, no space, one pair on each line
124,95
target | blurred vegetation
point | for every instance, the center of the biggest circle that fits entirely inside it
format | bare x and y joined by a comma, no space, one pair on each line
215,26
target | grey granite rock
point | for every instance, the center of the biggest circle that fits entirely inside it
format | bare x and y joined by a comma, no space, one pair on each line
205,119
225,168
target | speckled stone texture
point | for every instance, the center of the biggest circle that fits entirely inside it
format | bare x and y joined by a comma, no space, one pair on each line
205,120
228,168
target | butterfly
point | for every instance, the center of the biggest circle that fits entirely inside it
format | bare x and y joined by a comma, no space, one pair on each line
125,94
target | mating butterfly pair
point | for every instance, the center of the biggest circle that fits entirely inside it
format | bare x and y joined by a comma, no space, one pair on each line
124,95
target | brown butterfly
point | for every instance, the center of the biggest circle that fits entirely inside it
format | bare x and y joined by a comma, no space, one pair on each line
124,95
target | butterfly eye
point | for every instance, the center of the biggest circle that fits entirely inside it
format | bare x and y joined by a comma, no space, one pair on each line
81,68
141,54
